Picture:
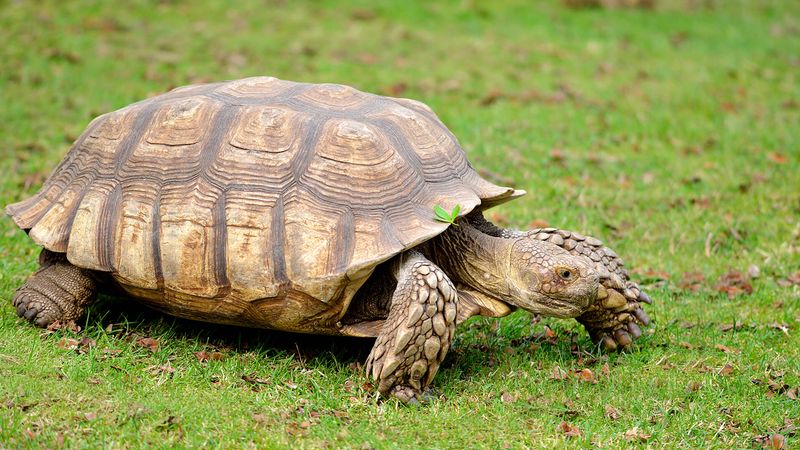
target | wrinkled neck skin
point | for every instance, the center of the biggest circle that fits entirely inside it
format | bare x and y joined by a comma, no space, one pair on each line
473,259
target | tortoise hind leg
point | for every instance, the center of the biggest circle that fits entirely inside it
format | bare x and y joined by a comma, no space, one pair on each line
57,291
415,337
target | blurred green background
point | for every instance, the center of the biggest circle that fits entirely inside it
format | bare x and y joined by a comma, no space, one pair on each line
669,129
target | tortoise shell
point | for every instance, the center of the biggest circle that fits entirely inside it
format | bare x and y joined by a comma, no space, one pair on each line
257,202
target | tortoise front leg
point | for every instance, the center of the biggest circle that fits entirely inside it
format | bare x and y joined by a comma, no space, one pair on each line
415,337
57,291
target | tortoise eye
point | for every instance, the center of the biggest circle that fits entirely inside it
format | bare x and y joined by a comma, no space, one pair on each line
565,274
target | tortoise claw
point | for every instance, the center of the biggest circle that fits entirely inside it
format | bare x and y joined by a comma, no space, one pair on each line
634,330
642,316
645,298
623,338
406,395
410,396
608,343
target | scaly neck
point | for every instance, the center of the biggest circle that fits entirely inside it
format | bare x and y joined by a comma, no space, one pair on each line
473,259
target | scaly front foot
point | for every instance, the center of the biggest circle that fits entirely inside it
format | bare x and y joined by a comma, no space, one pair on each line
417,334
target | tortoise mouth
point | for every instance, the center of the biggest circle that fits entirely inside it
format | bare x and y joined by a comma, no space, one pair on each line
568,308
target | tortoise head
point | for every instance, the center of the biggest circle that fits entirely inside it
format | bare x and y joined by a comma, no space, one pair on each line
545,279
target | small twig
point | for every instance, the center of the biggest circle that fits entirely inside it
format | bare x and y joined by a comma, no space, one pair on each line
299,356
708,244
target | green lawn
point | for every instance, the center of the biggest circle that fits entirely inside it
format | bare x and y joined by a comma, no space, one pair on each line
672,134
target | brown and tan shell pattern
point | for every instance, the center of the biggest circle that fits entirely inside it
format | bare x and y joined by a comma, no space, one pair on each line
255,202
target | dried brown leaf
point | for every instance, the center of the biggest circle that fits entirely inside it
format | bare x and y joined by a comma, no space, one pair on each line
692,281
778,158
634,434
363,14
86,342
726,370
776,374
538,223
788,428
252,379
558,374
505,397
569,429
773,441
368,58
794,278
204,356
734,283
698,202
558,155
651,276
293,429
492,97
610,4
726,349
148,343
777,388
499,218
163,368
792,393
68,343
110,353
586,376
780,326
70,326
397,89
612,413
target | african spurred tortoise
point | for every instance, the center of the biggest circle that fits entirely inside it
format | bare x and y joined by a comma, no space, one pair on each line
305,208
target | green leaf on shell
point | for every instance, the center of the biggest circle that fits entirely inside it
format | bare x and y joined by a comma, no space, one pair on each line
443,216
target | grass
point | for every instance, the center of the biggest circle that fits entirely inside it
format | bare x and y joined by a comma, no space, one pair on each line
672,134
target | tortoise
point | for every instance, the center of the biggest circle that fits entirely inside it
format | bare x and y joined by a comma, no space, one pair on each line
305,208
